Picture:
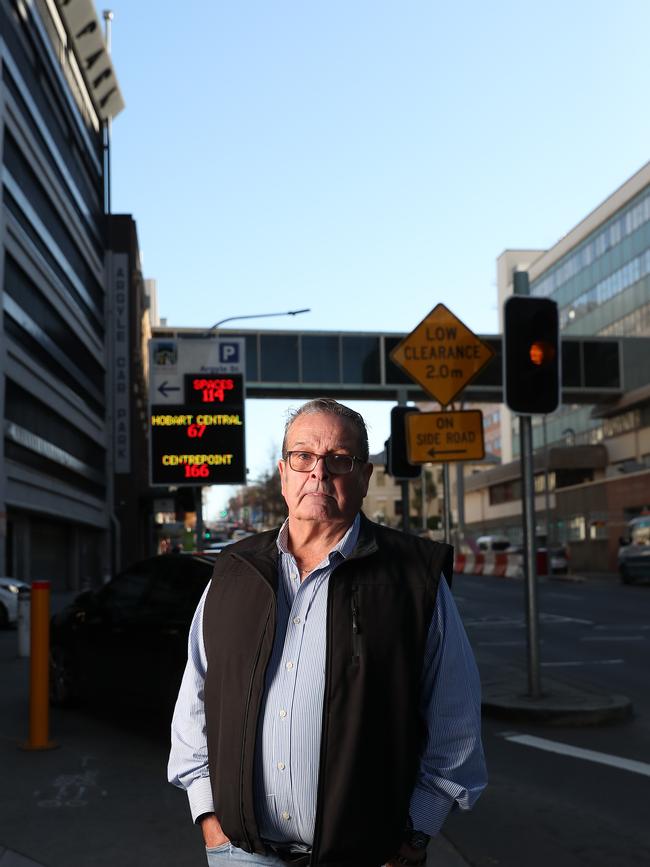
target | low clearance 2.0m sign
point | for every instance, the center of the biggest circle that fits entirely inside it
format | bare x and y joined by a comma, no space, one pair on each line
441,354
200,442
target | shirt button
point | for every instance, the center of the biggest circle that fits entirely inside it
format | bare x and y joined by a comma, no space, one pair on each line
289,666
283,713
281,766
286,815
296,620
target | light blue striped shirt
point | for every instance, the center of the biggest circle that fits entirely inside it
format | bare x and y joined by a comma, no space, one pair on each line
452,768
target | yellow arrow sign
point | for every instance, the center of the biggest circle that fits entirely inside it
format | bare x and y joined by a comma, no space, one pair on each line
439,437
441,354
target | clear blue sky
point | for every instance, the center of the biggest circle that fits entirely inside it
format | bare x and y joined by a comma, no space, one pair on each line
365,159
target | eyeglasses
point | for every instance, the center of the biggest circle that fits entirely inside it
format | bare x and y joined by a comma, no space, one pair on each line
338,465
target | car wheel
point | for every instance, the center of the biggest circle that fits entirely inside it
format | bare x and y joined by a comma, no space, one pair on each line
625,576
64,683
4,616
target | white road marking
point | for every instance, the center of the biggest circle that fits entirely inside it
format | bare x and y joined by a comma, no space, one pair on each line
613,638
579,753
503,643
563,618
583,662
562,596
520,623
623,626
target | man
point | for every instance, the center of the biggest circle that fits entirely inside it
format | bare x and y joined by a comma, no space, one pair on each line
329,713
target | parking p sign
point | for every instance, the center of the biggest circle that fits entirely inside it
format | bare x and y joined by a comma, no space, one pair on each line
229,352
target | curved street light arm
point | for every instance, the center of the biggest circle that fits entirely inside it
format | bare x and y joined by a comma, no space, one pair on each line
260,316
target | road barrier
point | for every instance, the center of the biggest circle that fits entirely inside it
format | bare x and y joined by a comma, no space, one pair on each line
499,565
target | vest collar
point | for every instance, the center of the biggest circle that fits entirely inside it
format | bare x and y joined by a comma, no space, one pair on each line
262,552
367,541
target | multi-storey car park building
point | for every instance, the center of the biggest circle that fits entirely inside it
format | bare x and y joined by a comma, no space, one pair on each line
597,460
57,91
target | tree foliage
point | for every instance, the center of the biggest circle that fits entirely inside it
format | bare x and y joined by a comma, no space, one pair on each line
261,499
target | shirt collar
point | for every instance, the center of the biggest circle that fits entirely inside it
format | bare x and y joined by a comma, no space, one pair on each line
345,546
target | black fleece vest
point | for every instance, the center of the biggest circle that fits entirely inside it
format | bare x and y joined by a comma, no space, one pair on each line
380,603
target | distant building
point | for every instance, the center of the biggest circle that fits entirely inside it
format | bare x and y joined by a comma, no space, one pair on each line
383,502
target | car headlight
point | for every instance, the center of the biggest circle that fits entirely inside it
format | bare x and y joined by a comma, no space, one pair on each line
13,588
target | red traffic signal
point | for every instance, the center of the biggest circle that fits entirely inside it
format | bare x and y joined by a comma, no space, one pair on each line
531,355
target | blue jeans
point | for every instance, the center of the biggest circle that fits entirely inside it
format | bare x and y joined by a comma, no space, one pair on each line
228,855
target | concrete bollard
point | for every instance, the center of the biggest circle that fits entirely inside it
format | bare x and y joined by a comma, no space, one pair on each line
24,606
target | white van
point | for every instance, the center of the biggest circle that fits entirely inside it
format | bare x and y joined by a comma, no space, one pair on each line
493,544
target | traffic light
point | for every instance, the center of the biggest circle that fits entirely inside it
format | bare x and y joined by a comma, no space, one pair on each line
398,464
531,355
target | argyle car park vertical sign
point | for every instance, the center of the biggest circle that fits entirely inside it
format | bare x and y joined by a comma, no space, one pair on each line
197,395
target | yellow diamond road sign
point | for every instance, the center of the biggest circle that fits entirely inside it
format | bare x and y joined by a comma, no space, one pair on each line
445,436
441,354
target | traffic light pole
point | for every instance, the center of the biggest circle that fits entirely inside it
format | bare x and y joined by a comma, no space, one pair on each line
528,499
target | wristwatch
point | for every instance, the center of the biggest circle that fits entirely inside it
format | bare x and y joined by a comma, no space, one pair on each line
417,842
416,839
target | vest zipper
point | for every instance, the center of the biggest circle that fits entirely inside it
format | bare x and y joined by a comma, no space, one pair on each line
356,640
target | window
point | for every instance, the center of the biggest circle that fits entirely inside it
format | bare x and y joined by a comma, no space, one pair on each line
576,529
597,527
320,358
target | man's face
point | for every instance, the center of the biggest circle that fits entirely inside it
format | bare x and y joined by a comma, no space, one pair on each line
319,495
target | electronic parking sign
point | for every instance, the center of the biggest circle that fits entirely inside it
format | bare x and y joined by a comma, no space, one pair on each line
197,419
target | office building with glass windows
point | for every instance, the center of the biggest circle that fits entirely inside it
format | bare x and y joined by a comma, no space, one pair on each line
592,463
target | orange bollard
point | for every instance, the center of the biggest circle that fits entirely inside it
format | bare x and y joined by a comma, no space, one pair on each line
39,679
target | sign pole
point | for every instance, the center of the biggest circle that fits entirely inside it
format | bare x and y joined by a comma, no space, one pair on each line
528,497
423,491
198,508
406,523
460,498
446,493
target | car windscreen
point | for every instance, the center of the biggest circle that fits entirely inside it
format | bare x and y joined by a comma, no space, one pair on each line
640,532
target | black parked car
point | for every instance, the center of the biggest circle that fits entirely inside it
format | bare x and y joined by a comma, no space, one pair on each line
127,641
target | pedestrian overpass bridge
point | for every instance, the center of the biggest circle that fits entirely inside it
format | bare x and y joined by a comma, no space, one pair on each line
357,366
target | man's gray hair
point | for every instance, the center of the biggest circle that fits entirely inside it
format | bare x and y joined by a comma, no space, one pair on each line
331,407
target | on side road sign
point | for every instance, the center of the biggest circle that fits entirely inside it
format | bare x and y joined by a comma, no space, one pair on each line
445,436
441,354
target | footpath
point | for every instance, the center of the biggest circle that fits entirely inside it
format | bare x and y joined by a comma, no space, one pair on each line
101,797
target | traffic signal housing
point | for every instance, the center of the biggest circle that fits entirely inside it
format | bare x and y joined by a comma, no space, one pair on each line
531,355
397,453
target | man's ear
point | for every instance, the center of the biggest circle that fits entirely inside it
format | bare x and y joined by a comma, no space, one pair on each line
366,472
